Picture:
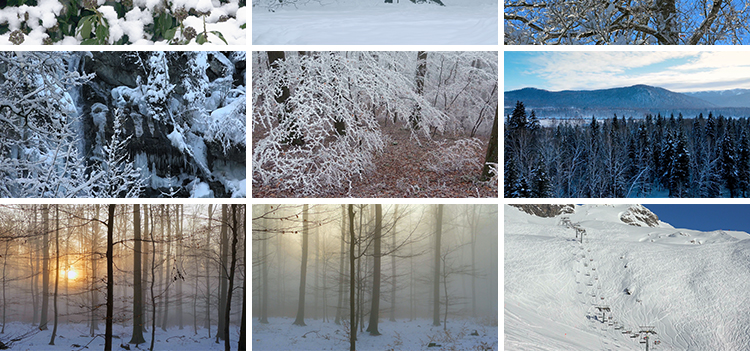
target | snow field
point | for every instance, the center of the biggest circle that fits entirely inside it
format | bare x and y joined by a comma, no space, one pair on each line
687,284
281,334
73,337
464,22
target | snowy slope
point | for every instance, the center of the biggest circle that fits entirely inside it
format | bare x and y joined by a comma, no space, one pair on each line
460,22
688,284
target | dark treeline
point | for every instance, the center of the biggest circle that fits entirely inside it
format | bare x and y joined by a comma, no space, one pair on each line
652,157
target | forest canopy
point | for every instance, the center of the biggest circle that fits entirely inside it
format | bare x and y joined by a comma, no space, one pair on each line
703,156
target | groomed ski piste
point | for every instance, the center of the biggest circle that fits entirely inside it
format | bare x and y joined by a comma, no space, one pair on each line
685,289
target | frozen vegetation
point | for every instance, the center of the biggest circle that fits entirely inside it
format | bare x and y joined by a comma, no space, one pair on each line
338,123
684,289
123,124
459,22
139,22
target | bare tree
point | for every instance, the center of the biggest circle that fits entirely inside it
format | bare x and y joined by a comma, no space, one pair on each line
137,337
110,279
436,281
300,320
632,22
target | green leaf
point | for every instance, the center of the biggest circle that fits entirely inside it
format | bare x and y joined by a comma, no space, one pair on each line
89,41
102,32
244,26
85,27
217,33
201,38
169,34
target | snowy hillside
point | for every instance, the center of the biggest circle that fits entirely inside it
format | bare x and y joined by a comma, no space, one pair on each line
461,22
687,285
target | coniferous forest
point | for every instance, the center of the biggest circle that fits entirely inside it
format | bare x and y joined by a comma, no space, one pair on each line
122,277
656,156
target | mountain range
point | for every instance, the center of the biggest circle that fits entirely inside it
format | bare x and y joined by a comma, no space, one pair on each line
636,101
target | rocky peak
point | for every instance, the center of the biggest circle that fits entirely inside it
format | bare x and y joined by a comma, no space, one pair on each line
546,211
640,216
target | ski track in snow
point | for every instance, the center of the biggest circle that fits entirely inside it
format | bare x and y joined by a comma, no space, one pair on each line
469,22
688,284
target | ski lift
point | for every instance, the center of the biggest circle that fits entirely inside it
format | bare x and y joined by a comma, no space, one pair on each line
596,278
593,269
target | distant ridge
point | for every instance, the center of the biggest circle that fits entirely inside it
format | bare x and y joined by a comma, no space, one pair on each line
636,100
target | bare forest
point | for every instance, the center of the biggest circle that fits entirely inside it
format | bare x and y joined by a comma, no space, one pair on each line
375,277
122,277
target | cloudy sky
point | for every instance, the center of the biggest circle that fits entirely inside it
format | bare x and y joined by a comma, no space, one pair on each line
680,71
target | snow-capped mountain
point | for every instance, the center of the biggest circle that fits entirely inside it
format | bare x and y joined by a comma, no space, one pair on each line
724,98
686,287
637,96
636,101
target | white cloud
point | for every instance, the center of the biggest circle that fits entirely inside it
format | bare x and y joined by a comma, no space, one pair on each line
597,70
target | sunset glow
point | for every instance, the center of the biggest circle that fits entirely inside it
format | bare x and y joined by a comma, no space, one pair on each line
72,274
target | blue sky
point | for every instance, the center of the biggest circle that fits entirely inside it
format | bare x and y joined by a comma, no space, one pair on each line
704,217
680,71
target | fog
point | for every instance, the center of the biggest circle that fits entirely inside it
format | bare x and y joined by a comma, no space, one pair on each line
404,289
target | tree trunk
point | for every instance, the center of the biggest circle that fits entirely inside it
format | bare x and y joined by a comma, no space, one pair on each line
45,268
436,285
393,267
340,303
57,272
316,291
235,232
153,282
264,272
167,272
94,294
300,320
144,269
180,212
372,327
491,156
137,337
241,345
223,272
208,280
416,118
352,313
110,279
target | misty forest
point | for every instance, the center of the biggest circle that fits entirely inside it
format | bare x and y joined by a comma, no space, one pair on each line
375,277
122,277
703,156
375,124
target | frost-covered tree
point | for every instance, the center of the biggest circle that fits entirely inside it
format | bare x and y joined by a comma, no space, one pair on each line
335,102
39,147
626,22
117,176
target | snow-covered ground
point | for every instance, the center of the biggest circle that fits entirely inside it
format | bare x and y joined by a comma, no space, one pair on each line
281,334
76,336
372,22
691,286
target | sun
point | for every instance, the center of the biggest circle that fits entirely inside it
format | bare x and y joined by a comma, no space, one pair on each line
72,274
